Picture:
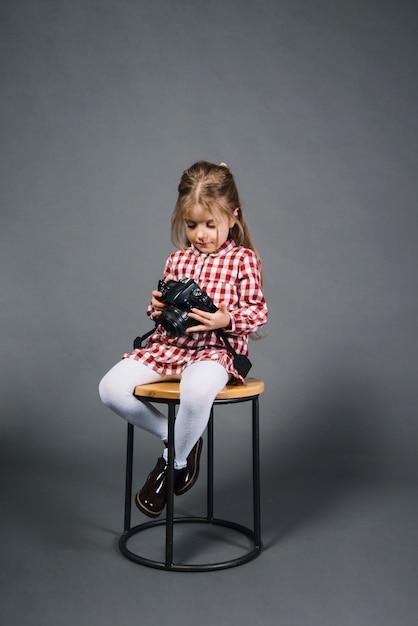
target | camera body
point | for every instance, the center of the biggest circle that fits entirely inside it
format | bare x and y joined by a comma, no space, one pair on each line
181,297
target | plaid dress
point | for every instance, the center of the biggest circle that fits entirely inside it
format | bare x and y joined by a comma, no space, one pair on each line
230,275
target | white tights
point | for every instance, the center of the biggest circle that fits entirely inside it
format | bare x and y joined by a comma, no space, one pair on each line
199,385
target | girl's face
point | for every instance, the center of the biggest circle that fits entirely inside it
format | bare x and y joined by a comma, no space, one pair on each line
207,231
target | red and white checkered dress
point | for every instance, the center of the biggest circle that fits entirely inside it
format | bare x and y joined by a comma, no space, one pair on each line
230,275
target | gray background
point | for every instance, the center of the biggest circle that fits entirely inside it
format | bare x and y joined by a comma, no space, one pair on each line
313,106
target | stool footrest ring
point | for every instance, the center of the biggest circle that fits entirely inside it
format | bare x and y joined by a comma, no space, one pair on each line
180,567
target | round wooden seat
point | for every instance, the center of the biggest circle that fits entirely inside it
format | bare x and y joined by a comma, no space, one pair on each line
170,390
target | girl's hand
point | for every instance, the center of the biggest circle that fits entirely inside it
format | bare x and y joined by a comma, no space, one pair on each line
210,321
156,304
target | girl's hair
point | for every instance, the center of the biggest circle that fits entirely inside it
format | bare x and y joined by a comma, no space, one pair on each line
212,187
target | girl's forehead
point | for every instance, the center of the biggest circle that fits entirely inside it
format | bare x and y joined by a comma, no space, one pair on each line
198,213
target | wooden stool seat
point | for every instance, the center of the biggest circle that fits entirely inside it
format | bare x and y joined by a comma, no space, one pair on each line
170,390
168,393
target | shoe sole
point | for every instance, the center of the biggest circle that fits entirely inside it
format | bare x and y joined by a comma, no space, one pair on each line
144,509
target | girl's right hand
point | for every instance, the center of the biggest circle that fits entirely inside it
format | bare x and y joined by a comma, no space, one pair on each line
156,304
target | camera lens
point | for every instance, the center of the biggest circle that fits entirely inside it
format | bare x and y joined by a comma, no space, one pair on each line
174,321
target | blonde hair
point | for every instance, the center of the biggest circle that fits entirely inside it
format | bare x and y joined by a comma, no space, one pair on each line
212,187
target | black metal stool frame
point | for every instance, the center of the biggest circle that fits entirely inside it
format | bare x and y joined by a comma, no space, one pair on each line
253,534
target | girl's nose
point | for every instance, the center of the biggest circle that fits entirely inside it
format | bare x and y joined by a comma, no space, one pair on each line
201,234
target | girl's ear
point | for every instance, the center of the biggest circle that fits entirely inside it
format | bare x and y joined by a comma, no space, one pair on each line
234,219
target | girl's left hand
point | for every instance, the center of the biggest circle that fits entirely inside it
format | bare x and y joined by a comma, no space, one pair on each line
210,321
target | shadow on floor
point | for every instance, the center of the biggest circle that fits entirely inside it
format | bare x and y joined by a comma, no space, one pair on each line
332,449
309,464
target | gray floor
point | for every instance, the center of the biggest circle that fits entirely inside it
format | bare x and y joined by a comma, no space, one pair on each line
340,547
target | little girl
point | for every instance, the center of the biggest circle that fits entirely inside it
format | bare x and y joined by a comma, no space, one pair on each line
215,249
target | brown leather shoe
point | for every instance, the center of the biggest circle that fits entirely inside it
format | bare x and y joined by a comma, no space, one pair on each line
185,478
152,498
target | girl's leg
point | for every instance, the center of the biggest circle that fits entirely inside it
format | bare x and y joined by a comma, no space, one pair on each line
116,392
199,385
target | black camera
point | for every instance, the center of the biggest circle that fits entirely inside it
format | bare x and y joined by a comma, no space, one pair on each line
181,297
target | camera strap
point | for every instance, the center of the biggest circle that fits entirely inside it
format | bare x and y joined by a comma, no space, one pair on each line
138,340
241,363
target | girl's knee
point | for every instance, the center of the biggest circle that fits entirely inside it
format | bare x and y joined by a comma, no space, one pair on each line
105,391
111,391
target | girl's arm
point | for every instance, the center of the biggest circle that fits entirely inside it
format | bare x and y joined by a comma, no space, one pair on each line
251,313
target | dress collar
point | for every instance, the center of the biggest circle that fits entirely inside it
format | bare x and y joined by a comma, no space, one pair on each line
225,247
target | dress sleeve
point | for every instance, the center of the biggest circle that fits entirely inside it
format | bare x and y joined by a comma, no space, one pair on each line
252,312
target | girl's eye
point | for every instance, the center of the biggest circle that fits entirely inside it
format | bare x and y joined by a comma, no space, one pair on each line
192,226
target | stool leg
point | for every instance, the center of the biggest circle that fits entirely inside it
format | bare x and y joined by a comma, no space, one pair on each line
128,477
209,493
170,487
256,473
